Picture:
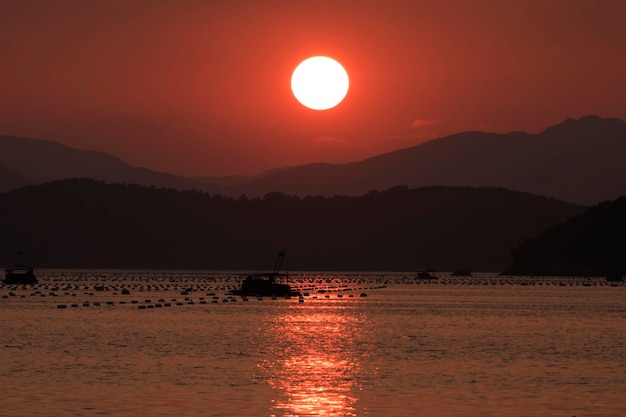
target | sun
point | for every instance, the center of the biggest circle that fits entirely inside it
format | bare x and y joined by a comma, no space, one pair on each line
320,83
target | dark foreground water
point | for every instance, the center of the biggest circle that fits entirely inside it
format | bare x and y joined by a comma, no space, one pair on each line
177,345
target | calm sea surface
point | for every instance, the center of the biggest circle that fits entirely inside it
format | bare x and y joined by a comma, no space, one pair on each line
178,345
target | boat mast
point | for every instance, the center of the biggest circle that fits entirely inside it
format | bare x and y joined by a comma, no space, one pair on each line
279,261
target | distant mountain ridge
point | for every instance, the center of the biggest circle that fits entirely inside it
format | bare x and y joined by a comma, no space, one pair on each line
578,160
42,161
10,179
84,223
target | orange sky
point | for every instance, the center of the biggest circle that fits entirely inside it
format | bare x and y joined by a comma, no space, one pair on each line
203,87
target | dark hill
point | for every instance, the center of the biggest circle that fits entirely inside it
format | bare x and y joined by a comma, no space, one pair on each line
592,243
577,160
83,223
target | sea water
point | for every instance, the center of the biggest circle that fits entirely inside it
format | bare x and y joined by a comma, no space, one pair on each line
357,344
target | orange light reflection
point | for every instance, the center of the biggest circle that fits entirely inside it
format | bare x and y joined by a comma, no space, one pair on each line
316,366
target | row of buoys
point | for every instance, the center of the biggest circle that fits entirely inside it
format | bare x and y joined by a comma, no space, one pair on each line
75,305
342,286
124,288
162,303
215,298
540,281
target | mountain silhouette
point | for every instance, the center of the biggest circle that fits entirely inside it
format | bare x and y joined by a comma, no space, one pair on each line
43,161
85,223
589,244
578,160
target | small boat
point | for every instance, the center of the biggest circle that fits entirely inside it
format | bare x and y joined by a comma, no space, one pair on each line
615,277
19,274
267,284
425,275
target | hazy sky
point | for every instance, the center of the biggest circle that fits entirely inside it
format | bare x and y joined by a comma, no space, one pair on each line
203,87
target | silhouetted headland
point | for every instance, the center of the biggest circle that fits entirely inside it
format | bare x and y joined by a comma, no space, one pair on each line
590,244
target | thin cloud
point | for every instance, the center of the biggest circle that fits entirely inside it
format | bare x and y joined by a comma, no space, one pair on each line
408,136
419,123
331,141
484,127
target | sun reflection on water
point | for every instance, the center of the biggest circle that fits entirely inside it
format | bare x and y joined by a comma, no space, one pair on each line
315,361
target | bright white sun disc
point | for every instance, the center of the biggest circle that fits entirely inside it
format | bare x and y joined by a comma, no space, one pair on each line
320,83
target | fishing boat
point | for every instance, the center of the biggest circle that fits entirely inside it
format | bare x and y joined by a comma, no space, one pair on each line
266,284
615,277
426,275
19,274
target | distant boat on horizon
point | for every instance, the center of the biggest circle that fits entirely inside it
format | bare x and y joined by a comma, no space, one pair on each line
20,274
615,277
426,275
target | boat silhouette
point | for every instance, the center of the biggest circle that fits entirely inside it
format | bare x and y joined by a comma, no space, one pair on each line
426,275
19,274
267,283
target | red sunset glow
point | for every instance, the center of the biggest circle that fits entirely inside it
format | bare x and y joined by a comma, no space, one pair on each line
203,88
